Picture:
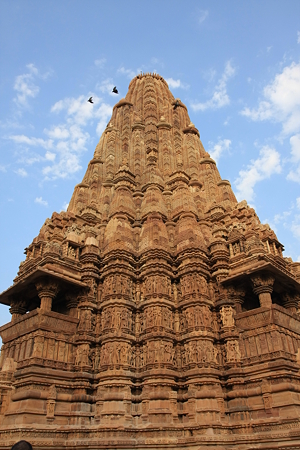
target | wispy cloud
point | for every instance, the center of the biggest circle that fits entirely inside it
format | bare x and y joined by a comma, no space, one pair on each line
220,96
78,114
26,86
294,174
203,15
40,201
175,84
216,150
106,87
289,220
100,62
281,101
130,73
65,206
31,141
298,37
70,138
66,140
267,164
22,172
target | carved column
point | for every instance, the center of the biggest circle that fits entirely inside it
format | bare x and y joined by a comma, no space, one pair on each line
291,302
263,287
17,308
72,303
47,290
237,295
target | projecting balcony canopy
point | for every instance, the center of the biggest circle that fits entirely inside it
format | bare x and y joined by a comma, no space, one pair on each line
283,277
27,285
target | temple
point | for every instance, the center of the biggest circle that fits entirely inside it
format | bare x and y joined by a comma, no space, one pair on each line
157,311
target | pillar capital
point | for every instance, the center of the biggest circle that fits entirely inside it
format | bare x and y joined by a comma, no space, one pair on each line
47,291
17,308
291,301
72,303
262,285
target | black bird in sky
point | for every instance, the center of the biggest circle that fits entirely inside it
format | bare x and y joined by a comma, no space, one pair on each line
115,90
90,100
176,104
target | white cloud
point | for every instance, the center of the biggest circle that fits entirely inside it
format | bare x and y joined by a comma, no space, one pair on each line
79,112
203,14
267,164
128,72
58,132
281,101
70,138
294,174
2,168
298,37
41,201
50,156
217,149
100,62
298,202
22,172
174,84
220,97
26,87
103,114
106,87
295,145
65,206
31,141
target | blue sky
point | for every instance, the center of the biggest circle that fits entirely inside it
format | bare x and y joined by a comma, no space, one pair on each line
234,64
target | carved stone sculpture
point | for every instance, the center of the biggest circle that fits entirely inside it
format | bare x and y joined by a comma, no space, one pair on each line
157,311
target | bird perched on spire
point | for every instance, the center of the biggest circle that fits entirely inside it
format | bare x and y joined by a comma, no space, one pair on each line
115,90
90,100
176,104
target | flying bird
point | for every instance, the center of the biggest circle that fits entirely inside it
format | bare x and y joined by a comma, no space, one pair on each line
115,90
176,104
90,100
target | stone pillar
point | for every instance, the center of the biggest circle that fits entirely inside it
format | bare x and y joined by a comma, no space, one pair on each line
47,290
17,308
72,303
291,302
237,295
263,287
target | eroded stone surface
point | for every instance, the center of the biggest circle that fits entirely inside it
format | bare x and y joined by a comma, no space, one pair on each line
157,311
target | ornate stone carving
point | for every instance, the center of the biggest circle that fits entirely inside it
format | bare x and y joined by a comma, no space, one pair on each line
263,287
155,337
47,290
233,353
227,316
17,308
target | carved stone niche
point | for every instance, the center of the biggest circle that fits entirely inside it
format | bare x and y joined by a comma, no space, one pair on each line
262,285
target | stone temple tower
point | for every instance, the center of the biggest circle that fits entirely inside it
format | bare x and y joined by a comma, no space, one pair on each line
157,312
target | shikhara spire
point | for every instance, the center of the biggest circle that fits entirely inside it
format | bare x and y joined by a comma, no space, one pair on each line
157,310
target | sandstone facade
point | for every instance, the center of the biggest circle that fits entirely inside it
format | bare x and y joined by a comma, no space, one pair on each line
157,312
